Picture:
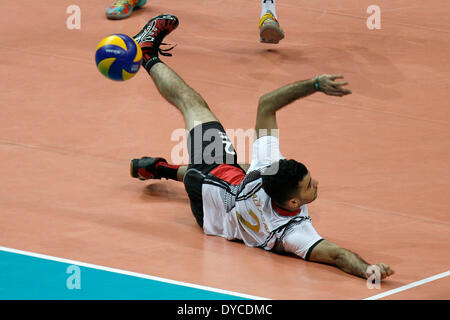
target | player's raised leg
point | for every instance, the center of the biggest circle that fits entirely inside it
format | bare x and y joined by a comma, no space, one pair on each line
192,106
174,89
194,109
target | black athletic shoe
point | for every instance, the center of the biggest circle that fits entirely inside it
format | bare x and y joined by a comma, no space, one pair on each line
145,168
151,36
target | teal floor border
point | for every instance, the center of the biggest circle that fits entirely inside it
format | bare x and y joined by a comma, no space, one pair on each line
24,277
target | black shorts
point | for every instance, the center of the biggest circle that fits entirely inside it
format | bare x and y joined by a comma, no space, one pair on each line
208,147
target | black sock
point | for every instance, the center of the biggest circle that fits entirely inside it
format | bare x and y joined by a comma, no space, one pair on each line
165,170
149,60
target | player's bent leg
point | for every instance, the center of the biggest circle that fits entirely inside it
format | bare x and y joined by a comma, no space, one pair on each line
147,168
211,157
181,172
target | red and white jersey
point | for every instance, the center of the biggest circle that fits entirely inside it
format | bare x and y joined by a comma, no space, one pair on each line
236,206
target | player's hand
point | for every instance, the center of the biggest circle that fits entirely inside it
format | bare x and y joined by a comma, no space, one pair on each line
384,269
329,85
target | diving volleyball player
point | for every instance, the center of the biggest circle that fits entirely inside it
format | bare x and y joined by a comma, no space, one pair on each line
263,204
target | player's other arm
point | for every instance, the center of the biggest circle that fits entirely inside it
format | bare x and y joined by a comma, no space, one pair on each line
271,102
329,253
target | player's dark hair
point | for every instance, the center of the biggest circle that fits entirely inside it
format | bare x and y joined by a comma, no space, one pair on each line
282,186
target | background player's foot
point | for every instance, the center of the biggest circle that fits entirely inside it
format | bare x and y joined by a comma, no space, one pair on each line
269,29
153,33
145,168
122,9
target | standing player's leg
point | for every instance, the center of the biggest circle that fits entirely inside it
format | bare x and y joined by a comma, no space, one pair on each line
121,9
269,28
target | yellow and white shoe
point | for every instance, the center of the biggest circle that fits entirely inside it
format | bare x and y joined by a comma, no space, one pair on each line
269,29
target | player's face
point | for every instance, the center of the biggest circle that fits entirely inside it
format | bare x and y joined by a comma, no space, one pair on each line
308,189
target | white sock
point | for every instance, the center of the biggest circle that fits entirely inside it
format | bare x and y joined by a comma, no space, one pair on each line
268,5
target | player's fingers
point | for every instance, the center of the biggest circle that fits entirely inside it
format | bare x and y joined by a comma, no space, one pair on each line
337,83
336,76
381,270
388,269
346,91
334,93
385,270
331,87
341,91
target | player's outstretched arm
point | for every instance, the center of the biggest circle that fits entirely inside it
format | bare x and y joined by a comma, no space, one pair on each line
329,253
271,102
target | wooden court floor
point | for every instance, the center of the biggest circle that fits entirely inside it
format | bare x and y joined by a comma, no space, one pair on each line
381,155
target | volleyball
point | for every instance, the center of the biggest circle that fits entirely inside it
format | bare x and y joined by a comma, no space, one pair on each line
118,57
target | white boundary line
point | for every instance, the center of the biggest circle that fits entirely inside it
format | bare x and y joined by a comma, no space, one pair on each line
195,286
409,286
130,273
